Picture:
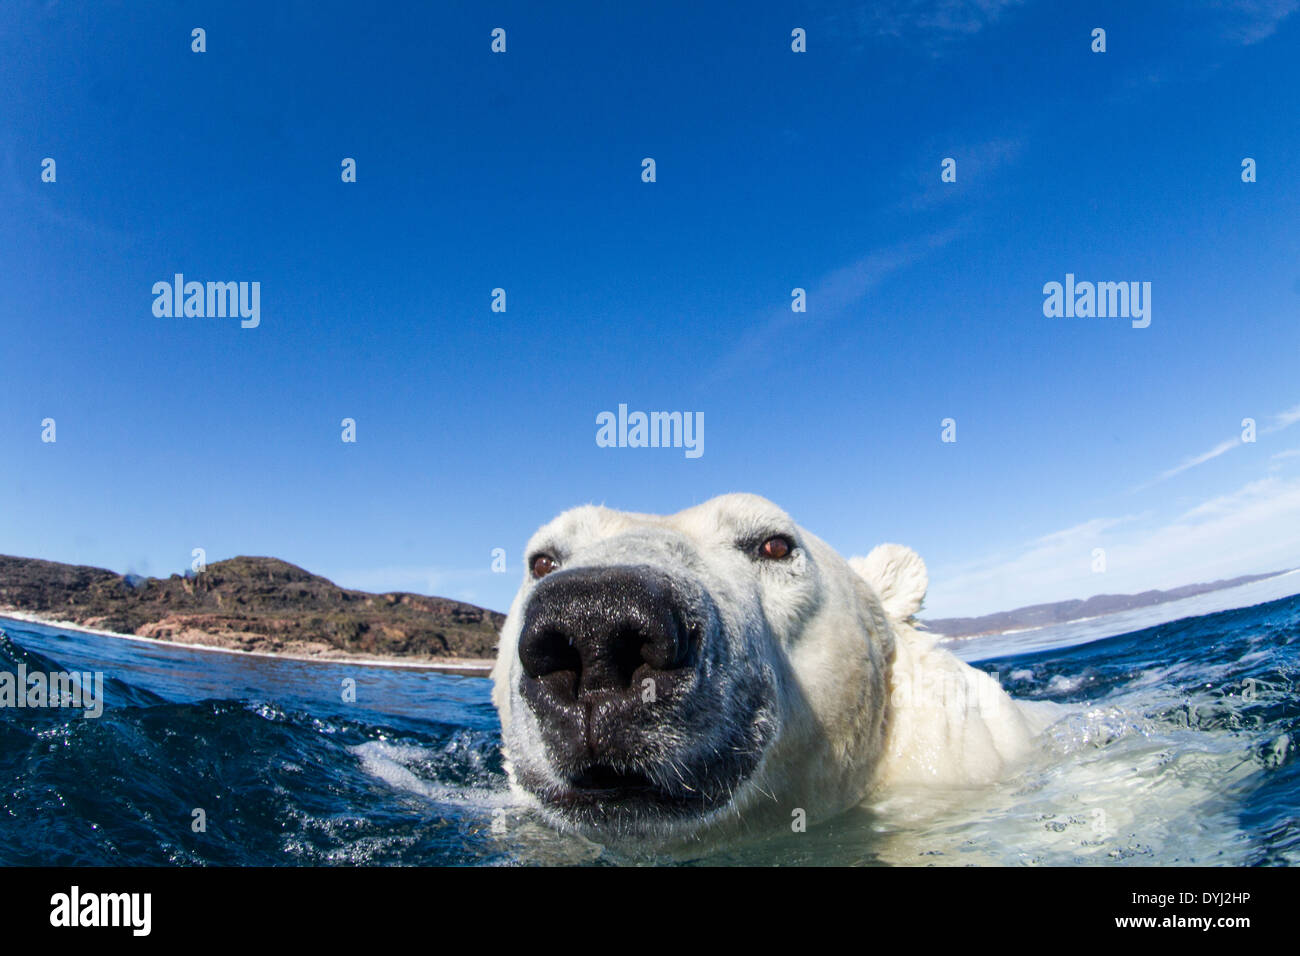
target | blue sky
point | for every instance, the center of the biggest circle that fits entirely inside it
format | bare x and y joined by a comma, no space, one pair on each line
775,170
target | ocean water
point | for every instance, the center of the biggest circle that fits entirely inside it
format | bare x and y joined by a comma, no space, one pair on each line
1176,745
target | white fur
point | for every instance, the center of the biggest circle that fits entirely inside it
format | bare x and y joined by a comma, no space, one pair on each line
862,700
898,576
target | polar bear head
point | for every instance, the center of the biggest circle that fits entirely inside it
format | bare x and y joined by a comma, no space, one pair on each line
661,678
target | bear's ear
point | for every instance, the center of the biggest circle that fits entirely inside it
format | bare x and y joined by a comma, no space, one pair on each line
898,576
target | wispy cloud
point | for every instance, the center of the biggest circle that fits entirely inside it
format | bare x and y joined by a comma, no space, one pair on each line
1284,420
934,25
1253,529
1200,41
1047,568
1249,21
30,198
1222,448
827,299
931,21
1280,421
977,163
1071,538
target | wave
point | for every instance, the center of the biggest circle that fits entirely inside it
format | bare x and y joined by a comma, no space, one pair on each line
1176,745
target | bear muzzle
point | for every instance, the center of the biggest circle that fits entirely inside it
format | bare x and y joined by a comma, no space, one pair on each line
600,648
611,668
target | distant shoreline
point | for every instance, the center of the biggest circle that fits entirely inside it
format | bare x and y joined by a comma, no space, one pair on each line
952,642
461,666
1035,616
255,605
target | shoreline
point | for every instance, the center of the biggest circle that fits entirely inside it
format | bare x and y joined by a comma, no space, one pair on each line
465,667
961,638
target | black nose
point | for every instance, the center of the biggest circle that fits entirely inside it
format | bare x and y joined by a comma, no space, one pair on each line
609,628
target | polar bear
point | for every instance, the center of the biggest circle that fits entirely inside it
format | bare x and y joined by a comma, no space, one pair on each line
671,679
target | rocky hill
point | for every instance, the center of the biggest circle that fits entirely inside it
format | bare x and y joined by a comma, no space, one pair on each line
261,604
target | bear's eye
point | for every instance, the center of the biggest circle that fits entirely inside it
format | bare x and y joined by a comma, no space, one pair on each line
776,547
542,565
